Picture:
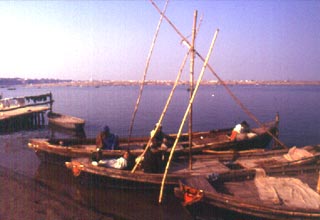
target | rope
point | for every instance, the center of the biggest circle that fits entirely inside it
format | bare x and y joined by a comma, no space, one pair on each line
242,106
146,70
163,112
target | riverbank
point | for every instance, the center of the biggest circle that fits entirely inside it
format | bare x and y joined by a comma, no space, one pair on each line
98,83
10,83
24,198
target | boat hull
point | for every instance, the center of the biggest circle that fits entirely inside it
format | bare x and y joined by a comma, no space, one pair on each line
238,193
202,165
216,140
66,121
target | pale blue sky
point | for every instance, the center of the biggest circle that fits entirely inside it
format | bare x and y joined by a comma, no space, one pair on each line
258,40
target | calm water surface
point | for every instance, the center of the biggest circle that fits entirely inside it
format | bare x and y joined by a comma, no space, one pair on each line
213,108
113,105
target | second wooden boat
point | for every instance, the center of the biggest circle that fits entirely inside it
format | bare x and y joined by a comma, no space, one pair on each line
216,140
290,191
201,166
66,121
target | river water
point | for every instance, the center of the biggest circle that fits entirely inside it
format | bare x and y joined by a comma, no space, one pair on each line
113,106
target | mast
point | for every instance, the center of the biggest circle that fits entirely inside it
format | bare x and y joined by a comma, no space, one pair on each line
192,55
186,113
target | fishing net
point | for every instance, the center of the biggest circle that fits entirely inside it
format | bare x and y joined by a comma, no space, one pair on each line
286,191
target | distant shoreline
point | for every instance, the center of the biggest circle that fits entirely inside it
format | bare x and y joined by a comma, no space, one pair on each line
99,83
13,82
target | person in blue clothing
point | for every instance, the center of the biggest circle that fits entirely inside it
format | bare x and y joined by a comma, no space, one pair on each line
106,140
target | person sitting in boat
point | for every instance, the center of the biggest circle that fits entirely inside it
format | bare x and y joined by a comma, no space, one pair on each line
124,162
241,132
154,160
160,139
107,140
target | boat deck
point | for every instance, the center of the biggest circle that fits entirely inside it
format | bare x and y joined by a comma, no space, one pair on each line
199,166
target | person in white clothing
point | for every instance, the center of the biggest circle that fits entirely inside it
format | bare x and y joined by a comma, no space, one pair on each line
119,163
242,131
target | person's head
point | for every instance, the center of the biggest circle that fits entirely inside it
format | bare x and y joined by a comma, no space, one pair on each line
126,154
244,123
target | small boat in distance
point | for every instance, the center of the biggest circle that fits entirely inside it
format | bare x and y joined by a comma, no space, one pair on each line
66,121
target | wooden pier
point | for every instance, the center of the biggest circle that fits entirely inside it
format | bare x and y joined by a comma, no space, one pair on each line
24,112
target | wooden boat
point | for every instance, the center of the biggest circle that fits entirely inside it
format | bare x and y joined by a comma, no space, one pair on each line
66,121
287,191
210,140
94,194
63,149
201,166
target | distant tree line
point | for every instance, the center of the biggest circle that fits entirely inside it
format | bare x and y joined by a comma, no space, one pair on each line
20,81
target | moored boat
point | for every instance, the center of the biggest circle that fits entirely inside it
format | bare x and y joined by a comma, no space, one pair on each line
287,191
216,140
66,121
201,166
64,149
95,194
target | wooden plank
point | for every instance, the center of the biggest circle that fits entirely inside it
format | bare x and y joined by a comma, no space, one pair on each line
23,111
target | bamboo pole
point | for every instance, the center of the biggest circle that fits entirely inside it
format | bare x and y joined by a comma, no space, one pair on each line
186,113
233,96
275,144
192,54
146,69
163,112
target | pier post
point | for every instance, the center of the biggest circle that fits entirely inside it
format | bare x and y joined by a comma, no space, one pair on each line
318,185
42,118
38,120
51,101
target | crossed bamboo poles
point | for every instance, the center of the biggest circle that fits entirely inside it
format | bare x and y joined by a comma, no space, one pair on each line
193,93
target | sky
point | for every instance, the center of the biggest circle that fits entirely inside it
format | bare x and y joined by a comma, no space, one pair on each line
110,40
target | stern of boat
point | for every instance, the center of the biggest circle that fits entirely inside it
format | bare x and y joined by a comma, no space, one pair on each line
187,194
75,167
